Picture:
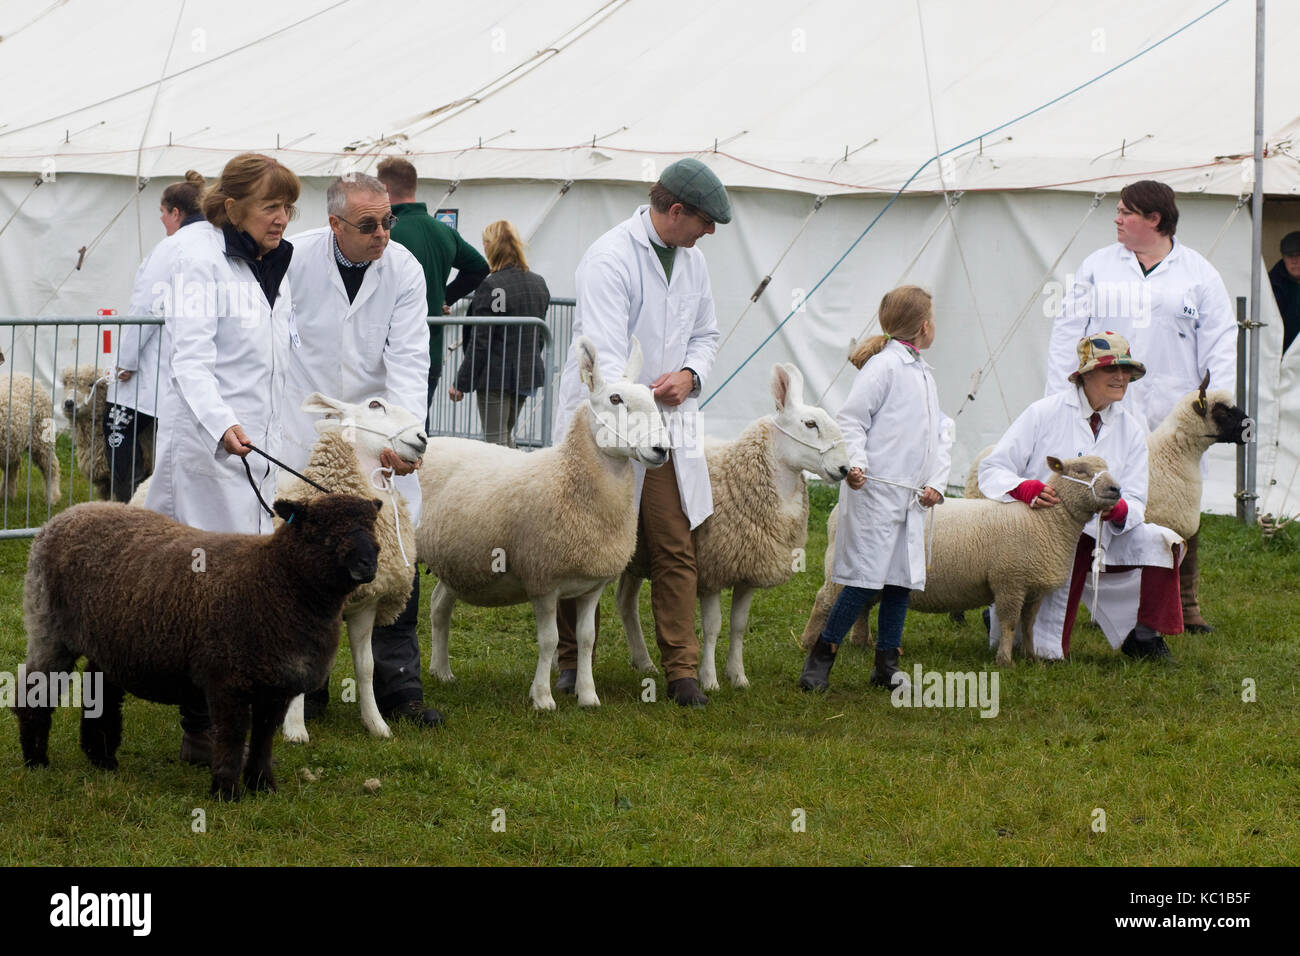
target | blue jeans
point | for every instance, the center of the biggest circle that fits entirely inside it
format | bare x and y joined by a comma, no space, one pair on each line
893,611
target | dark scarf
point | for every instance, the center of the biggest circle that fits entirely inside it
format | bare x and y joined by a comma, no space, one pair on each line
269,269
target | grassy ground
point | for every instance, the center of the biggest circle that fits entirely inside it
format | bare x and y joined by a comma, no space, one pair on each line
1185,771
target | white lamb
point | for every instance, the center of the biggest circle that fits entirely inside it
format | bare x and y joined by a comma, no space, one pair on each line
26,425
501,526
759,525
991,551
345,460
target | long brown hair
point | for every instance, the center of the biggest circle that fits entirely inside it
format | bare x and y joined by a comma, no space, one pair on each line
247,177
184,196
502,246
902,313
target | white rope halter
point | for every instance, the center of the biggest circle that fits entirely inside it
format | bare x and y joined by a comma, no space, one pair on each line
1098,552
385,483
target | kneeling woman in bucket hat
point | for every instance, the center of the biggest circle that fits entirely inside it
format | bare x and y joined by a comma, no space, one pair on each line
1088,418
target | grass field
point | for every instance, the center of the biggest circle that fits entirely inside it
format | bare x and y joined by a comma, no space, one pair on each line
1185,771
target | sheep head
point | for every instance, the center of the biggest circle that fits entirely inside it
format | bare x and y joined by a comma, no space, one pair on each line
1210,417
341,528
370,426
85,391
1084,485
806,438
625,421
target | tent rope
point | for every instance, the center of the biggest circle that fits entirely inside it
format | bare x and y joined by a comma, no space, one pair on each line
962,145
144,131
876,314
29,195
762,286
1009,335
1223,230
550,207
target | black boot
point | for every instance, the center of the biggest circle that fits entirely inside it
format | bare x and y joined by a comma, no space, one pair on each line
817,667
1143,643
567,682
882,675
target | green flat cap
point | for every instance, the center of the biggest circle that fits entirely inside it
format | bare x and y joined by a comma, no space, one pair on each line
695,184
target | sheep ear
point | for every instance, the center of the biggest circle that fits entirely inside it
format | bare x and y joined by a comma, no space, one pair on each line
288,510
588,364
634,361
316,402
1055,464
780,386
796,383
1200,404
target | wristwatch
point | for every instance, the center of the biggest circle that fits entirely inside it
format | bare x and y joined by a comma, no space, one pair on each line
695,381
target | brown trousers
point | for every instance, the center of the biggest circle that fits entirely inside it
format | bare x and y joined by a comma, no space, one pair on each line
664,531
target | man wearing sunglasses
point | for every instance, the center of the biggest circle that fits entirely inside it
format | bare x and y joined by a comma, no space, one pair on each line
359,330
646,278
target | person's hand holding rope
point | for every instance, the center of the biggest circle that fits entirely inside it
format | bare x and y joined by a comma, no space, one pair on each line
236,441
400,466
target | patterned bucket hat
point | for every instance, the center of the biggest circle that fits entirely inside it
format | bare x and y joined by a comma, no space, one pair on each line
1106,348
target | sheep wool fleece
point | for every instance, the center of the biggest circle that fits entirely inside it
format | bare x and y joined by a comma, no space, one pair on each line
893,429
333,463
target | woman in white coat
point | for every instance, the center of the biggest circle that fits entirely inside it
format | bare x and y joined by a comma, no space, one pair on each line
229,314
894,429
144,350
1087,418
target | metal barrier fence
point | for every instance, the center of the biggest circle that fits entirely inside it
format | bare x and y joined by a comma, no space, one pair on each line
32,414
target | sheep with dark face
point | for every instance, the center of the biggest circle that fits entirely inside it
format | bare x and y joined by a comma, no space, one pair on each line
164,610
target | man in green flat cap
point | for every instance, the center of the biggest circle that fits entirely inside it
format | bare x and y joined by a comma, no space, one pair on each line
645,278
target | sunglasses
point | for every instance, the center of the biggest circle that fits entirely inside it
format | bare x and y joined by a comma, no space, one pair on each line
367,226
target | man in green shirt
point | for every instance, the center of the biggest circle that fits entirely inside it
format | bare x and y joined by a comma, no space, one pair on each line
437,247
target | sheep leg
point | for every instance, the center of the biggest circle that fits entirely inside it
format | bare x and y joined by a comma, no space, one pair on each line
295,721
711,625
361,625
33,720
268,713
741,598
1027,615
861,634
548,639
821,612
230,716
628,597
1008,613
440,605
44,456
586,685
101,735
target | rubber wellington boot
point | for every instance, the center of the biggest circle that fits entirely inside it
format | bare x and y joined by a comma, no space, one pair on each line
882,675
817,667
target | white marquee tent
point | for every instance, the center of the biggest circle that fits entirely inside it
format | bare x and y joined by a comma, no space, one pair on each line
1030,107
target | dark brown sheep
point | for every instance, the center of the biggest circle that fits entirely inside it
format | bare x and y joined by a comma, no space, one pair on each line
164,610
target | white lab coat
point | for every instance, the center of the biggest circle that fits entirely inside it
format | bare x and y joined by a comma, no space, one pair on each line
229,350
378,344
893,429
1178,321
1058,426
145,350
621,292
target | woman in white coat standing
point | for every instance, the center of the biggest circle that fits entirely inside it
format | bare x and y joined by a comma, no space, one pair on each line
143,352
230,317
1087,418
899,444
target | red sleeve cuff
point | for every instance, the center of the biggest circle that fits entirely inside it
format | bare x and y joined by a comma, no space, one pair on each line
1027,491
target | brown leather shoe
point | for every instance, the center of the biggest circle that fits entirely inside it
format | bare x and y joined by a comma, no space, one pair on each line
686,691
414,712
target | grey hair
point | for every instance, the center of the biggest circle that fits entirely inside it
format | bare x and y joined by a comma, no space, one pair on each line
336,197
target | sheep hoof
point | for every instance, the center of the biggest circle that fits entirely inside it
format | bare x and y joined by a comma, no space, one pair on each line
592,701
1004,660
225,790
379,730
709,683
739,681
296,736
104,763
645,667
544,703
35,763
446,676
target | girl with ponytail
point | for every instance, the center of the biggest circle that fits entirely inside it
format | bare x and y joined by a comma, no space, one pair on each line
898,442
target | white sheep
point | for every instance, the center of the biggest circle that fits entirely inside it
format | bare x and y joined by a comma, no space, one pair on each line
26,425
985,551
501,526
345,459
759,526
85,404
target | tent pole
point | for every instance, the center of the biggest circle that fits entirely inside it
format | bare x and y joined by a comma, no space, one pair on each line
1246,509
